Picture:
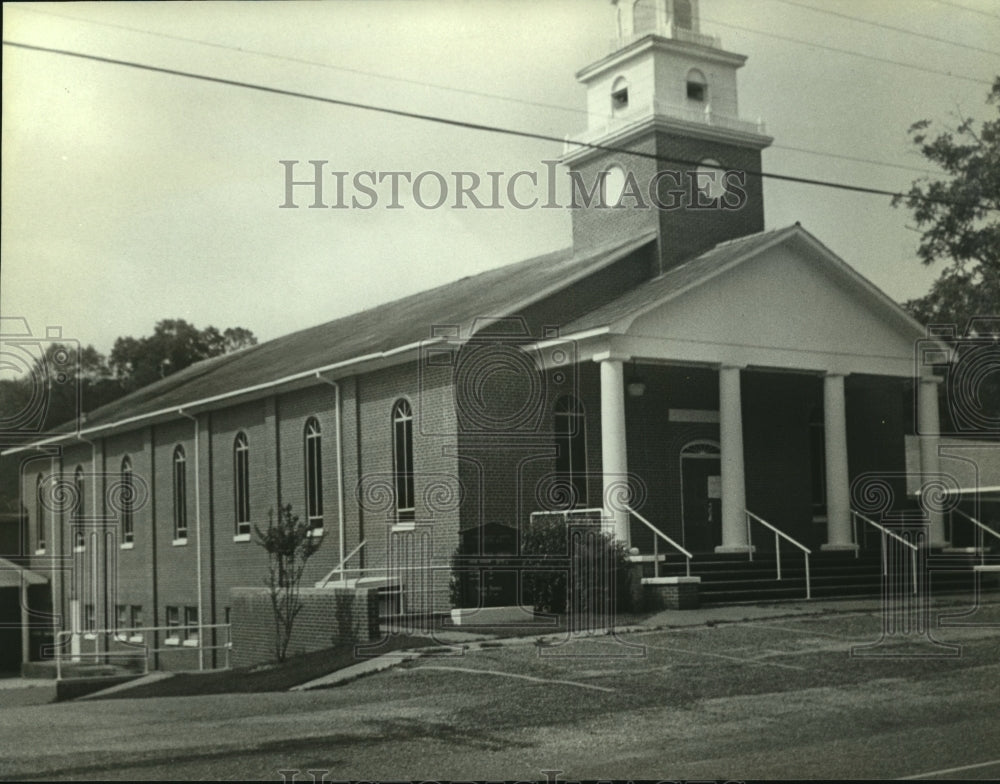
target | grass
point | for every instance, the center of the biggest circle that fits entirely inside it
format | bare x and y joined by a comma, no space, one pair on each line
267,677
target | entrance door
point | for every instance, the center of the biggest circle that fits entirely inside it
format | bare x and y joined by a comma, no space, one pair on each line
701,501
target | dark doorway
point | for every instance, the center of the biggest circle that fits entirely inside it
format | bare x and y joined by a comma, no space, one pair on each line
701,496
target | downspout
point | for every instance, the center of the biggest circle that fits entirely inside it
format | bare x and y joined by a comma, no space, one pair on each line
340,467
93,507
197,535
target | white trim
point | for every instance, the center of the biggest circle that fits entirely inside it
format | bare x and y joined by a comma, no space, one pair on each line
241,538
314,532
40,551
190,642
79,548
172,641
127,545
180,542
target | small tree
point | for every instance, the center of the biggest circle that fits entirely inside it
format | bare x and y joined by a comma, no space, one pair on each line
289,546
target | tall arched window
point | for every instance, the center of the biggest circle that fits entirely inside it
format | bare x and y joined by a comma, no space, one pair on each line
571,441
127,497
39,515
314,475
683,15
402,459
644,17
817,461
79,540
241,483
180,494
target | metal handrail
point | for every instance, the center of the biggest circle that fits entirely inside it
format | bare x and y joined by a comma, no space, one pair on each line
118,635
340,567
982,527
568,512
855,516
778,536
656,549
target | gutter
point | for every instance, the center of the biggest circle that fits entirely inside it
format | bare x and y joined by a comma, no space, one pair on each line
340,462
197,535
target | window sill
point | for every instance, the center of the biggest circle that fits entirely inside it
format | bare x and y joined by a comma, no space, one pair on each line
89,636
40,551
819,518
190,643
135,638
315,532
79,549
180,542
406,525
241,538
172,641
128,545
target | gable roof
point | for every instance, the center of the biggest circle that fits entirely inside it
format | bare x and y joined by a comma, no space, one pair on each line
723,257
380,330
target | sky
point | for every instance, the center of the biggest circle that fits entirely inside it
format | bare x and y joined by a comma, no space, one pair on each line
132,196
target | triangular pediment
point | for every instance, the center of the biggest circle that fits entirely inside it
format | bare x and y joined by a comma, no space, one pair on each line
780,299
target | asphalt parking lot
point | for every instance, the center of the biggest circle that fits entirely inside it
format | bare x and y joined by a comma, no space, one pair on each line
775,696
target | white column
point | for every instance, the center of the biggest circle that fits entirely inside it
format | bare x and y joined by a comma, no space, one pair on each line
614,462
838,492
929,426
734,531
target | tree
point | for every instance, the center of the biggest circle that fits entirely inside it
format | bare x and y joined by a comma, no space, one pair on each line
959,217
289,546
174,345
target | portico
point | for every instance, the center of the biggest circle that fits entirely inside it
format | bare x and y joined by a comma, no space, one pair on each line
784,319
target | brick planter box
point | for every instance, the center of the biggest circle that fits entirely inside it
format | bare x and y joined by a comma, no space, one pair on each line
329,616
671,593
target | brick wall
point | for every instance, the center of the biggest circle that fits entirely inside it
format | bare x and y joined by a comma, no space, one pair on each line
684,232
329,616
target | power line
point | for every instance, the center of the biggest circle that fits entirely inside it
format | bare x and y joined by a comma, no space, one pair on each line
416,82
887,27
885,60
461,123
966,8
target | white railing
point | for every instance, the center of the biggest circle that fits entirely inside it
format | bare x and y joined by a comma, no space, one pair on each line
656,545
668,31
855,516
136,638
691,114
981,527
778,536
339,568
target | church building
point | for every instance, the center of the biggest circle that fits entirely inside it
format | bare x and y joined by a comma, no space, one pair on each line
700,383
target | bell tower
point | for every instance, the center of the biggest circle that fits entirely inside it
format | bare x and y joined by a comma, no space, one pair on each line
683,162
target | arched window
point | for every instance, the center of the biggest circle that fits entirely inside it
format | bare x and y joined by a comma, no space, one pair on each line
79,540
697,86
571,441
180,494
817,461
402,459
241,483
39,515
644,17
127,497
314,475
619,95
683,14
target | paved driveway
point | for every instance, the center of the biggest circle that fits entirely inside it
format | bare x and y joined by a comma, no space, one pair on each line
769,698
